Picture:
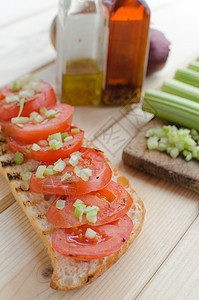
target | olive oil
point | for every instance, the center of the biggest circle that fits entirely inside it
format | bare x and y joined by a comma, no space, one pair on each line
84,88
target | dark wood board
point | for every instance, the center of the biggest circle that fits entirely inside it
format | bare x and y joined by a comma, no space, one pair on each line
160,164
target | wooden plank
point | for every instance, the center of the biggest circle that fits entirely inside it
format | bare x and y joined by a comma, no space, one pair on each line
177,171
170,211
184,282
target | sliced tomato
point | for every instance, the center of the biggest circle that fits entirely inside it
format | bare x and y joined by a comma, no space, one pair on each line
15,146
90,158
44,154
110,238
31,133
45,98
113,202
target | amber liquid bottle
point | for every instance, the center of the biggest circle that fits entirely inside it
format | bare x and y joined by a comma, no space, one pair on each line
127,50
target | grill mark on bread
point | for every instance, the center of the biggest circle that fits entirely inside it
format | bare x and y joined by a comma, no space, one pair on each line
89,278
13,176
20,189
7,163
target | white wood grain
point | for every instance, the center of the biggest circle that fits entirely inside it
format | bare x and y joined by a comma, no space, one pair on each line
184,282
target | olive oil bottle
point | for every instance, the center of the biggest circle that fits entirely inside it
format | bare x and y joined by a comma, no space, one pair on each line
82,43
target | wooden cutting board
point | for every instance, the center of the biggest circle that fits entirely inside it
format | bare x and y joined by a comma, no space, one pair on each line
177,171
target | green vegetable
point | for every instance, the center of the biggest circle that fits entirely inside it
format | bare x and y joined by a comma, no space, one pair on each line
18,158
181,89
40,171
26,175
59,166
65,176
43,110
36,147
68,138
64,135
175,141
188,76
194,65
55,145
60,204
55,136
75,130
50,113
172,108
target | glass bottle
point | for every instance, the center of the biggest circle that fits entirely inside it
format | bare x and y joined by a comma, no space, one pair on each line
82,41
127,50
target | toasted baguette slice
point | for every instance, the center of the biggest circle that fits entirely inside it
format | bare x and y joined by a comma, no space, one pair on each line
67,272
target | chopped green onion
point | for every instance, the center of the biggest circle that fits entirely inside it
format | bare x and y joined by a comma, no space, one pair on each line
18,158
75,130
35,117
48,171
22,101
60,204
40,171
50,113
152,143
19,120
90,233
91,213
55,145
65,176
188,76
36,147
12,99
15,86
78,213
78,203
84,174
64,135
74,158
43,110
68,138
26,175
59,166
175,141
181,89
172,108
55,136
194,65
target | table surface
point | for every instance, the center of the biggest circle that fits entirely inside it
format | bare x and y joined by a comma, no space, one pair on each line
163,262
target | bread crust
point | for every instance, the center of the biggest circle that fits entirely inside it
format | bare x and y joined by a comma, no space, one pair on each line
67,273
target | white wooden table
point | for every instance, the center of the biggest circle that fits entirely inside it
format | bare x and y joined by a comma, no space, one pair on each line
163,262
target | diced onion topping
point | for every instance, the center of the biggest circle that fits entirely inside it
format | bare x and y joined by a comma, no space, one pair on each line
26,175
89,211
173,141
50,113
74,158
75,130
60,204
40,171
65,176
68,138
36,147
84,174
18,158
90,233
26,94
59,165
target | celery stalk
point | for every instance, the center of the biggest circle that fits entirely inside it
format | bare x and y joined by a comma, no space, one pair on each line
181,89
187,76
172,108
194,65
